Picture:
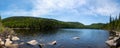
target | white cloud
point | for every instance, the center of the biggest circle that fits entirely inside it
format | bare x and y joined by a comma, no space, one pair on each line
47,6
106,7
78,7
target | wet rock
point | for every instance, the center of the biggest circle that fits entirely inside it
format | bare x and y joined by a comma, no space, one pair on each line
53,43
111,37
111,42
22,43
115,38
8,42
112,33
13,46
1,42
76,38
14,38
32,42
41,45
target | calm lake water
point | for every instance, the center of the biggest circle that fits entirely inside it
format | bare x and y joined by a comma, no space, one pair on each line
89,38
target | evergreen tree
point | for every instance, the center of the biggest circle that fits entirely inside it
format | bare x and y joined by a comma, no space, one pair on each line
110,23
110,19
0,18
0,25
119,17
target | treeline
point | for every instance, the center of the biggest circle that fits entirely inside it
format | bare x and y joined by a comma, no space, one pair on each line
40,23
114,23
95,26
0,24
44,24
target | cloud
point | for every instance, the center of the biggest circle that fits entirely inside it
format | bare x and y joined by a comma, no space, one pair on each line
42,7
83,7
106,7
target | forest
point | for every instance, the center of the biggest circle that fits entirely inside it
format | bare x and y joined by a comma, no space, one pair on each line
39,23
114,23
44,23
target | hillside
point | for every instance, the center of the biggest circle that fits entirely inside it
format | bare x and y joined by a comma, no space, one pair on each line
95,26
41,23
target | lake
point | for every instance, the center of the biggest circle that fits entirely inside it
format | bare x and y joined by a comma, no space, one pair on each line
89,38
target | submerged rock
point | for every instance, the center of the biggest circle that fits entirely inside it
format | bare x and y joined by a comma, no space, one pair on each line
53,43
76,37
22,43
32,42
41,45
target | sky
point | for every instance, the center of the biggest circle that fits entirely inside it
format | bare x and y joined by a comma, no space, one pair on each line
84,11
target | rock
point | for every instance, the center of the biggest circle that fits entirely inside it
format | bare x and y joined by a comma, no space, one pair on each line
119,34
41,45
111,43
8,42
14,38
22,43
1,42
8,36
115,38
111,37
32,42
76,38
118,43
53,43
13,46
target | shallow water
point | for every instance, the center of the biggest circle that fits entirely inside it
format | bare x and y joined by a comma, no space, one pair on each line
89,38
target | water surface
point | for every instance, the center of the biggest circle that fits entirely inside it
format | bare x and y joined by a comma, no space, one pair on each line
89,38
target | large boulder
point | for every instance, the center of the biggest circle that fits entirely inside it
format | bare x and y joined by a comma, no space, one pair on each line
8,42
1,42
111,42
14,38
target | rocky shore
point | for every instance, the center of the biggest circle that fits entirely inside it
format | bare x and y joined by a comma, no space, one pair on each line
114,39
8,39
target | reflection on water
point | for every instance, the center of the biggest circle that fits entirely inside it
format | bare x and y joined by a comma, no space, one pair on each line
89,38
31,32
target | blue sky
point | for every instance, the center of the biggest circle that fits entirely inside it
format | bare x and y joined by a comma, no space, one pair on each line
84,11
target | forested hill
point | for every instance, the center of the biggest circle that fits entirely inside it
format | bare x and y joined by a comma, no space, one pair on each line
114,23
41,23
96,26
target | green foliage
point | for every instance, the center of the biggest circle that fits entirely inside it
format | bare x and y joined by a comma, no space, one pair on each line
40,23
43,23
95,26
1,28
114,24
71,25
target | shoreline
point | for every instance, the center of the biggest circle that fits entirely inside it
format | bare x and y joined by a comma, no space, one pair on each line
114,39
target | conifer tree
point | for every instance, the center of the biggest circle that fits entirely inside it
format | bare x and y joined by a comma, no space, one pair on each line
0,21
119,17
110,19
